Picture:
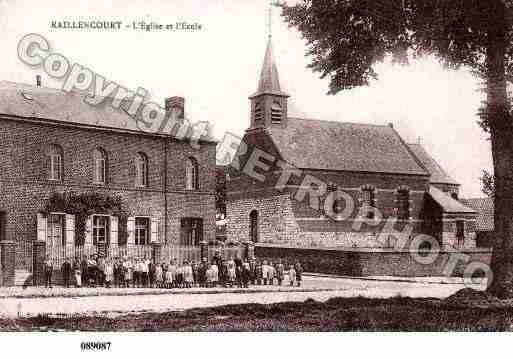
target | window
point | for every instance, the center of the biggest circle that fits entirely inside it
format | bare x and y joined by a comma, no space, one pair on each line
100,230
253,226
56,230
460,231
192,174
403,204
191,231
142,231
141,170
55,167
100,166
276,112
368,201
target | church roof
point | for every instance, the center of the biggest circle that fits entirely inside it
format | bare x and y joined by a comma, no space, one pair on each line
339,146
438,175
43,103
484,208
269,82
447,203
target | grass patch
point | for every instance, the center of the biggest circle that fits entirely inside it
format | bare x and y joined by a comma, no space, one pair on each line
337,314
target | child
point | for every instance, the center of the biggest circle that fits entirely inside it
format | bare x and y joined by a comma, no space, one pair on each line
172,269
299,273
169,278
270,274
215,274
279,272
78,274
265,272
292,275
232,275
158,275
246,274
179,275
187,275
209,276
129,273
109,273
258,273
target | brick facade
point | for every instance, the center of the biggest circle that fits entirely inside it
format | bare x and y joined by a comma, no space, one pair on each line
26,187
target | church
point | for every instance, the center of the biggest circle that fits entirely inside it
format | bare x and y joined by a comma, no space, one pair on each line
389,186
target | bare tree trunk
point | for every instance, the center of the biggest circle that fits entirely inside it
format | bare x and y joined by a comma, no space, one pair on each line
501,131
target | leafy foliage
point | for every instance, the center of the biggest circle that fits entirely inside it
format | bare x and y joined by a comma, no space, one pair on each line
84,205
346,38
488,186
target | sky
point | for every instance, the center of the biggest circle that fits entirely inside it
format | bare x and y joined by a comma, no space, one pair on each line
217,68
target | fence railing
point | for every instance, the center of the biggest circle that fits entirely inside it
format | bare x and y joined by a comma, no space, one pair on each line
168,252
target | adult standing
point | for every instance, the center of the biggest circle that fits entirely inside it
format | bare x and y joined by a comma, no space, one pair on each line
66,272
299,273
280,272
109,273
48,269
83,271
78,273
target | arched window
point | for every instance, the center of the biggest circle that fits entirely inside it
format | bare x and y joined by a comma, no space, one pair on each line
253,226
100,166
141,170
192,174
403,203
55,163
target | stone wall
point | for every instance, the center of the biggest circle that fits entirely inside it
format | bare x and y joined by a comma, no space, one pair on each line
368,262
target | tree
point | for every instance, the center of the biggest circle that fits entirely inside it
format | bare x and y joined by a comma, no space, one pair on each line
346,38
487,184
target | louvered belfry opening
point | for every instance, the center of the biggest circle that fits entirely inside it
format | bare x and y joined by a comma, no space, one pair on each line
276,112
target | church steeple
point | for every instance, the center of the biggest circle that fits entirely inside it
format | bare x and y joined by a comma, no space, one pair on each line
269,102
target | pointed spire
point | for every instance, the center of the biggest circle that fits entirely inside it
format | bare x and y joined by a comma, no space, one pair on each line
269,79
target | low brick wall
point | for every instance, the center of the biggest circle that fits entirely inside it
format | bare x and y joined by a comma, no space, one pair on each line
370,262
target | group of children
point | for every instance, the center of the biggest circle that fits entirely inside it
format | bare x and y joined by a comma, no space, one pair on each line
143,272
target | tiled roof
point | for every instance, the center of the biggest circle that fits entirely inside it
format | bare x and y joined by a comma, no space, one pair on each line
485,209
448,204
438,175
52,104
314,144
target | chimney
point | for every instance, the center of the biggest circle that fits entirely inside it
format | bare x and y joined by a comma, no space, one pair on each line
38,80
176,105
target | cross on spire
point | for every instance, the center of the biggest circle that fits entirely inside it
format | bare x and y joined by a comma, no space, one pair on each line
270,19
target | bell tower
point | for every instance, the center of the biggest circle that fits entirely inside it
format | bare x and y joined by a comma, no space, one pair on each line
269,102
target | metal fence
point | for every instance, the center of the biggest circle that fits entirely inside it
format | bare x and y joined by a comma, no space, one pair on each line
168,252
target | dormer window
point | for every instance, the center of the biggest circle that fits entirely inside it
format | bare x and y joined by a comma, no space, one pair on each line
276,112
